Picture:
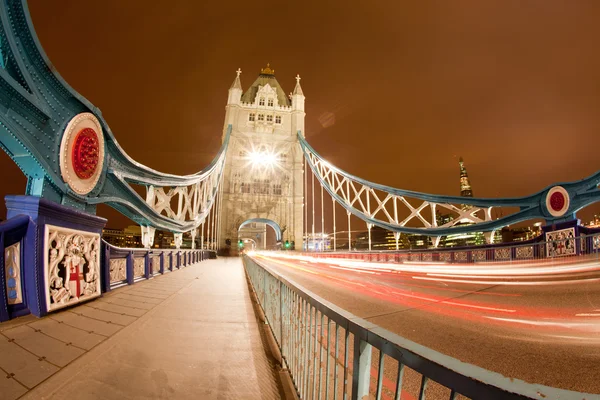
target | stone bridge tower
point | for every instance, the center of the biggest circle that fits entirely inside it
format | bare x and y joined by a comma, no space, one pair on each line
263,181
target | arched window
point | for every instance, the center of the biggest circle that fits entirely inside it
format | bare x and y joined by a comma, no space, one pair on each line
270,103
261,101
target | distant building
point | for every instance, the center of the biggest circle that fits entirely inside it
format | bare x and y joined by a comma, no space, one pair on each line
116,237
460,239
320,242
518,234
465,184
594,223
383,239
131,237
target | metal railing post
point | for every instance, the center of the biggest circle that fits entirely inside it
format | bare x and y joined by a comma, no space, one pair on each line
281,319
361,371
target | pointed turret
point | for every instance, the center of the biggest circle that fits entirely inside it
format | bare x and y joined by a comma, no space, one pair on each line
465,184
298,107
235,91
298,88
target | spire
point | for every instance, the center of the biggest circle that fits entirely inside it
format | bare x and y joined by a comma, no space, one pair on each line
237,84
465,184
298,88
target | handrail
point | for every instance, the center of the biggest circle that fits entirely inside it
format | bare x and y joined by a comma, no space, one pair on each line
289,309
119,265
534,249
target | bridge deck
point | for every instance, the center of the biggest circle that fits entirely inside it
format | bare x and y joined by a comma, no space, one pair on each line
190,334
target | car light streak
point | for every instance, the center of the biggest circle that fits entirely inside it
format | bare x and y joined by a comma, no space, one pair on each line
531,283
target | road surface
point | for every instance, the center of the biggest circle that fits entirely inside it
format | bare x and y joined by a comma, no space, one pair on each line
532,321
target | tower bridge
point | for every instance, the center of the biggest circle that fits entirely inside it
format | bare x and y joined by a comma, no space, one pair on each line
265,174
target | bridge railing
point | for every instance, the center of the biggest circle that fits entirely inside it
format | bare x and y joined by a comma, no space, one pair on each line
555,251
14,235
331,353
125,266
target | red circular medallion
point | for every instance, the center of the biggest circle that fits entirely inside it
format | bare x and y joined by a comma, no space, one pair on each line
557,201
86,153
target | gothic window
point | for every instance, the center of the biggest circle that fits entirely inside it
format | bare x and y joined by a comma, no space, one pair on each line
270,103
245,187
261,102
278,119
256,186
277,189
261,117
251,116
269,118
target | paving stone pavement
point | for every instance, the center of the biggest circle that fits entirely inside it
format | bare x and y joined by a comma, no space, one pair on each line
190,333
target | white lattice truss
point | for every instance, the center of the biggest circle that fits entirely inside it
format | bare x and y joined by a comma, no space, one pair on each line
377,205
190,203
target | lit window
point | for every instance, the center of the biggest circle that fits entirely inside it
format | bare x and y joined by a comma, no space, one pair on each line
269,118
251,116
261,117
278,119
261,102
270,103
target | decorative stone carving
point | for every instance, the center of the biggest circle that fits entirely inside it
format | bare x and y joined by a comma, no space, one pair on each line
12,271
502,254
72,262
557,201
138,267
460,256
427,257
82,153
414,257
118,270
155,264
478,255
524,252
560,243
446,256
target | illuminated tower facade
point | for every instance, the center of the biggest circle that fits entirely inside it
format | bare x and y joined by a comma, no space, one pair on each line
263,182
465,185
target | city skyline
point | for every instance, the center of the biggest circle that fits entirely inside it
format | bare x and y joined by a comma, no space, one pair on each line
378,104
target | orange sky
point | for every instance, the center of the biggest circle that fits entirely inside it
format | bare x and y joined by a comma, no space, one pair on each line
395,91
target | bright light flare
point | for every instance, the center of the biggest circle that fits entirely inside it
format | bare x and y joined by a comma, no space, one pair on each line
262,159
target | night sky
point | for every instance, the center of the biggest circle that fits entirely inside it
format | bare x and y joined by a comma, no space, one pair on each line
395,91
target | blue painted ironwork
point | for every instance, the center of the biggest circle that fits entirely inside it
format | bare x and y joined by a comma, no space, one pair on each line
168,260
19,229
36,105
290,308
354,194
269,222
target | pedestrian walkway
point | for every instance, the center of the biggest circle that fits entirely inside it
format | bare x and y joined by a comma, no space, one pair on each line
189,334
